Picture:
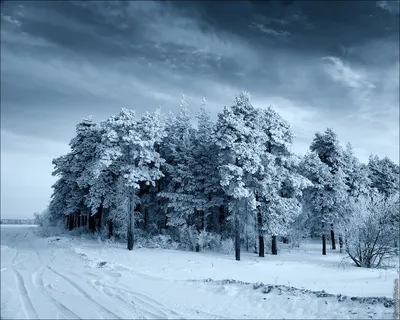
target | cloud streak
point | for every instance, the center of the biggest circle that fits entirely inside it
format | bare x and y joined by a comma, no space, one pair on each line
62,61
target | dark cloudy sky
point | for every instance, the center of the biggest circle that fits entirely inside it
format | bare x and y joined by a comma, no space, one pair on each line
318,63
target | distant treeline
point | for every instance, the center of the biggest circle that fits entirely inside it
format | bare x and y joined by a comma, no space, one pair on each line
18,221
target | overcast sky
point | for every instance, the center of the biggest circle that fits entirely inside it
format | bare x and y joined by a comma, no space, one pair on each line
318,63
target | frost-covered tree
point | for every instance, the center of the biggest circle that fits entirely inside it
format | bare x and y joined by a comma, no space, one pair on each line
130,146
204,163
384,175
177,150
84,157
240,140
369,231
325,199
278,183
330,153
356,174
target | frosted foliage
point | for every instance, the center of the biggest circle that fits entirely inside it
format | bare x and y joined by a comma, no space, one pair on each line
325,167
370,230
207,184
384,175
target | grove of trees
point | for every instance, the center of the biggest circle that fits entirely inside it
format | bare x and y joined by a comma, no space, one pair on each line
234,179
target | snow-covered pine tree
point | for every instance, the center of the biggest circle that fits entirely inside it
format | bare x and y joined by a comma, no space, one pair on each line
384,175
327,197
130,146
84,157
240,141
179,186
279,184
356,174
204,164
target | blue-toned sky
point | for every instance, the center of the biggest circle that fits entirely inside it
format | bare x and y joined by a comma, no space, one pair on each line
318,63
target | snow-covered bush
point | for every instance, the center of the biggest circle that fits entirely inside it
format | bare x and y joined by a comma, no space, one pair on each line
370,232
188,238
163,242
209,241
227,246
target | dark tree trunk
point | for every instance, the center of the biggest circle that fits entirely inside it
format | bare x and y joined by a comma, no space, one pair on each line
323,241
110,229
237,237
261,250
91,223
79,220
221,218
274,246
333,238
71,222
67,223
99,217
75,220
130,219
202,215
341,243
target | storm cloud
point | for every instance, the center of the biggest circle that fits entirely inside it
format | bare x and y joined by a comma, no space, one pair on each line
319,64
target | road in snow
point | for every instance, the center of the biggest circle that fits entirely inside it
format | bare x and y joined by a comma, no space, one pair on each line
67,279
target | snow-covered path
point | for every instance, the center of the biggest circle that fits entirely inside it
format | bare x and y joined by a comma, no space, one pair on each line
49,278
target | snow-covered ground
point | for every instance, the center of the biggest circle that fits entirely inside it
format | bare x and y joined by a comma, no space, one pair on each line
63,277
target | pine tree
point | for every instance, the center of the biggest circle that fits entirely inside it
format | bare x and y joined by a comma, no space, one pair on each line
130,147
279,184
327,197
240,142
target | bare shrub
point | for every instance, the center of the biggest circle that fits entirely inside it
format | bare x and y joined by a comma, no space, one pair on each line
371,230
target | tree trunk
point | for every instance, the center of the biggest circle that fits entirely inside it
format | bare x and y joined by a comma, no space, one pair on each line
70,222
91,223
237,237
323,241
99,217
75,220
333,238
79,220
110,229
67,224
261,250
130,218
274,246
341,243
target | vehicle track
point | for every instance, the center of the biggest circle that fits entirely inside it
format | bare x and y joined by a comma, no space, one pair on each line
107,313
26,301
146,300
140,313
37,280
159,312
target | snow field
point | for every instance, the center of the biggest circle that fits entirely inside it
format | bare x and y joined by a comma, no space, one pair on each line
66,278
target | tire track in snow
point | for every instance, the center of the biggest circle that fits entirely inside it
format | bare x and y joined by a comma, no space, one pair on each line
37,280
146,300
140,312
107,313
26,301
